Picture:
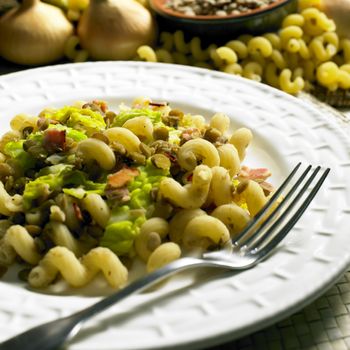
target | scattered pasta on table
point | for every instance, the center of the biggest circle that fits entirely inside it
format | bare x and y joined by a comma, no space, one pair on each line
293,59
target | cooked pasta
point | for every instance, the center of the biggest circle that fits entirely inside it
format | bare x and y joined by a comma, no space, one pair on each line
205,231
17,241
179,222
190,196
124,136
90,187
233,216
76,272
254,196
22,121
241,139
142,127
229,158
163,255
97,208
61,236
198,149
9,204
94,149
220,191
220,121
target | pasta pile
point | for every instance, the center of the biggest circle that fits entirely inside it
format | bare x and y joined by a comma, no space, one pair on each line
86,190
304,52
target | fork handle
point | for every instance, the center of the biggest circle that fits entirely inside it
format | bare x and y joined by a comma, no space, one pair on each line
50,336
143,283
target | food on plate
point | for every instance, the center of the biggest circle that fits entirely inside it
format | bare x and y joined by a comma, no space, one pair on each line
34,33
85,189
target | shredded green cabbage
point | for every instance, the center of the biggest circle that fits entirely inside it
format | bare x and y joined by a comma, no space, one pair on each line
56,178
76,135
49,179
122,229
83,119
123,116
14,149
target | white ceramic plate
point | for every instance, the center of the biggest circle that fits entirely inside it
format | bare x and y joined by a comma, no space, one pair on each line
223,307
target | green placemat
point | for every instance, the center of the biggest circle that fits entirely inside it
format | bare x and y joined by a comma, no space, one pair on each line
322,325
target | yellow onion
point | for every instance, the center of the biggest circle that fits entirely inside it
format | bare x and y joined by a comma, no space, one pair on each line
339,11
114,29
34,33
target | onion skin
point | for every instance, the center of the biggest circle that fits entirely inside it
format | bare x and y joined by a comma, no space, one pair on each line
34,33
114,29
339,11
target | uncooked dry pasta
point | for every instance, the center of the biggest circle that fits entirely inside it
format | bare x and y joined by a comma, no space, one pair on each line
305,40
85,188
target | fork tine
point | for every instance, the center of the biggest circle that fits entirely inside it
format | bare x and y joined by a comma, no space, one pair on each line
251,226
263,251
255,235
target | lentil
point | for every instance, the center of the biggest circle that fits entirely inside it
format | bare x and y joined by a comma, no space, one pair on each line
100,136
27,131
212,134
161,133
160,161
242,186
33,230
153,241
146,150
215,7
138,158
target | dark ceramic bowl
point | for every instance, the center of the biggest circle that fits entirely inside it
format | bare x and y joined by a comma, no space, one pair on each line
256,21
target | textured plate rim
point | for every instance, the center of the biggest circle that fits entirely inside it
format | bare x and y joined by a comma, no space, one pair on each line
313,292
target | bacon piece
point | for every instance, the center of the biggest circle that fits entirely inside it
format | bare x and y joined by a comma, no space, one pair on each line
258,174
118,195
189,177
267,187
77,212
122,177
102,104
190,134
158,104
171,157
54,140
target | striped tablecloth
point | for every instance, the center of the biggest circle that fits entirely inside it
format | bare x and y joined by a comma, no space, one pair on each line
322,325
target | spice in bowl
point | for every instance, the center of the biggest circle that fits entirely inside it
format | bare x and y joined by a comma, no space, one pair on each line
215,7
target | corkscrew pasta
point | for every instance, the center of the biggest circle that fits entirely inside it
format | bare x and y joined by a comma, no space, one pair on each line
78,272
85,189
305,40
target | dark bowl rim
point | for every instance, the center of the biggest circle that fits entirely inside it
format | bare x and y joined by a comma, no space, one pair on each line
167,13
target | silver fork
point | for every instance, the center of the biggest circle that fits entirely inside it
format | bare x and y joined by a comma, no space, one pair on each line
254,244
